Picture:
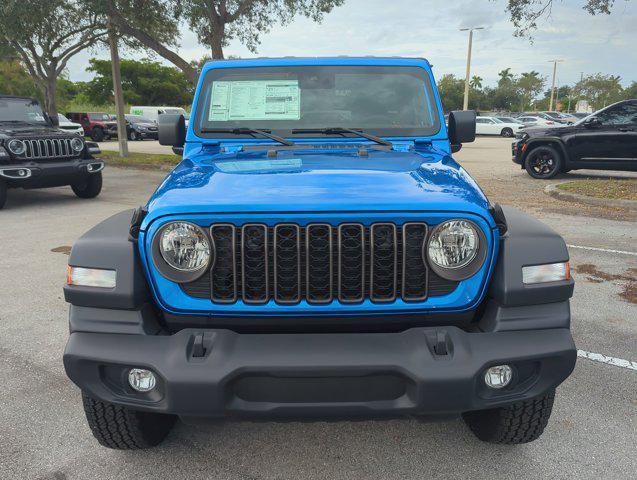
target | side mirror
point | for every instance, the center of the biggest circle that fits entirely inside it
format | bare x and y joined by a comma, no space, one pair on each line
592,122
172,130
462,128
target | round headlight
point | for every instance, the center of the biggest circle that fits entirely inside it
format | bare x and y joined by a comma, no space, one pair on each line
455,249
17,147
77,144
184,246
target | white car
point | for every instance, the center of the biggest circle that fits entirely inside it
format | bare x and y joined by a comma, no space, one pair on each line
495,126
68,126
533,121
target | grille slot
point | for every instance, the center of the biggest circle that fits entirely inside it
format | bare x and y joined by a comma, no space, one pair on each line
49,148
319,262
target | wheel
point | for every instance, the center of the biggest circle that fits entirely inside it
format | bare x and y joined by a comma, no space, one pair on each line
90,187
122,428
520,422
133,135
97,134
3,193
543,162
506,132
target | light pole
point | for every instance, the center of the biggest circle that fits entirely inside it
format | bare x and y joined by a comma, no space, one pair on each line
465,103
555,62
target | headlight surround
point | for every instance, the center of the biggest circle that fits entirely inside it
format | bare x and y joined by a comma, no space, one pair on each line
15,146
182,251
77,144
456,249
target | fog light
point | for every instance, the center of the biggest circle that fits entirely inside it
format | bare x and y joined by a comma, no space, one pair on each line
498,376
141,380
89,167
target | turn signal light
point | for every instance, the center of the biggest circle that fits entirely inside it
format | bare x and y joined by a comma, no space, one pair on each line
551,272
91,277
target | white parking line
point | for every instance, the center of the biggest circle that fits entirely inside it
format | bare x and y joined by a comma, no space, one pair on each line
598,357
607,250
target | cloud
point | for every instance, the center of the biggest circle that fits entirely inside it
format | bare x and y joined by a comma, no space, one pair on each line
430,29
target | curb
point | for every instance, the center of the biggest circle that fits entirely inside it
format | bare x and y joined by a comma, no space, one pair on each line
553,191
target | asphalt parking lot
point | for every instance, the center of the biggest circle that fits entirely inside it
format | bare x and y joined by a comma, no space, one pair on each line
43,434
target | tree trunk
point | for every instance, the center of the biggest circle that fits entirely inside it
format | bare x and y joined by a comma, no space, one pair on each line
119,94
216,45
50,98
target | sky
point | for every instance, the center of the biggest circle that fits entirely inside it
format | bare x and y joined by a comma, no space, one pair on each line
430,28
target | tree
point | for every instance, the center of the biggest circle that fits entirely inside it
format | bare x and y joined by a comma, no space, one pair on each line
525,14
506,77
45,36
530,84
15,81
476,82
217,22
451,91
144,83
600,90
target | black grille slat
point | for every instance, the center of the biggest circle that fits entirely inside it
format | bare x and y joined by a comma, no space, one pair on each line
287,263
351,262
383,262
223,276
414,270
255,262
319,262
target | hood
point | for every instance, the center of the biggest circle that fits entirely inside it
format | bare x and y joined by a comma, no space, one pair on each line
9,130
545,131
317,180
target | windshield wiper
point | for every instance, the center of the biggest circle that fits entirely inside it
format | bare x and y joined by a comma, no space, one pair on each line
249,131
341,130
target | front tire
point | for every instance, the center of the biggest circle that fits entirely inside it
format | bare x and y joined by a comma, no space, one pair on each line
521,422
506,132
122,428
97,134
3,193
90,187
543,162
133,136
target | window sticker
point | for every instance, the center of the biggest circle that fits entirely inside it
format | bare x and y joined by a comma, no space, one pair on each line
255,100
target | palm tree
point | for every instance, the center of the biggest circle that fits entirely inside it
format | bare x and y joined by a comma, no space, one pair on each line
476,82
505,76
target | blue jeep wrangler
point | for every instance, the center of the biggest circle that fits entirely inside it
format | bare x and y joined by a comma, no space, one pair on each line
318,253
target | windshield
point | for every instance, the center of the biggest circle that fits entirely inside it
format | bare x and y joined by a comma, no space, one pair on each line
21,110
392,101
99,117
497,120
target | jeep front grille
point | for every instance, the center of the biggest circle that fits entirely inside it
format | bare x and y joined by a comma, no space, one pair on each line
49,148
319,263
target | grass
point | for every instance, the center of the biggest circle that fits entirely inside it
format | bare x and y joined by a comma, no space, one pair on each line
141,160
611,189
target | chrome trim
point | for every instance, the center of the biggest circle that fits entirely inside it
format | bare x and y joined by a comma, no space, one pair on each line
298,263
265,261
340,276
307,262
404,263
3,173
371,262
48,148
234,264
608,159
99,168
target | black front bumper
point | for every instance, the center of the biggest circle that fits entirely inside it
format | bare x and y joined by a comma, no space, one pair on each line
516,152
49,173
419,371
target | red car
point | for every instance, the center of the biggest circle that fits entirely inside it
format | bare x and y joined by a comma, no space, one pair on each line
97,125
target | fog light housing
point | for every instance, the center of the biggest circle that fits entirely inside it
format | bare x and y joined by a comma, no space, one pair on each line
498,376
141,380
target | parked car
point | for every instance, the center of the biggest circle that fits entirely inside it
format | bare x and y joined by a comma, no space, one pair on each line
97,125
298,263
35,153
139,128
495,126
536,121
558,117
605,140
509,120
68,126
552,117
580,115
153,113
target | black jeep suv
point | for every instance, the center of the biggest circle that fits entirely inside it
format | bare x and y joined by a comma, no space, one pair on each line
605,140
34,153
